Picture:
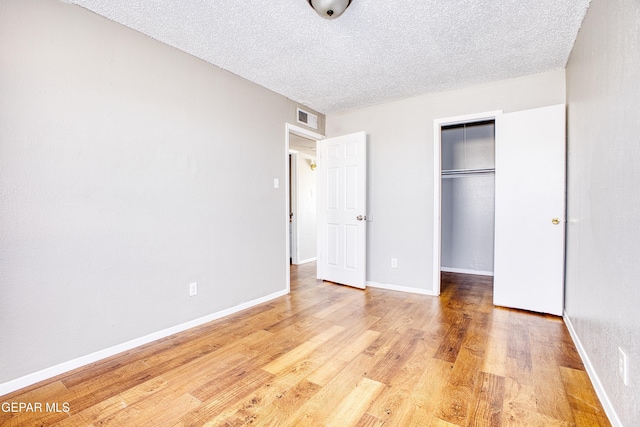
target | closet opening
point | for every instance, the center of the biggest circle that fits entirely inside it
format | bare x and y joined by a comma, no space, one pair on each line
467,198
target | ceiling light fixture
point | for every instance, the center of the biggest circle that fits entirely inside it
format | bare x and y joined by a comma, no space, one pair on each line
329,9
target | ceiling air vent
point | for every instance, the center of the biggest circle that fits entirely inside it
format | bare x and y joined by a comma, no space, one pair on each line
308,119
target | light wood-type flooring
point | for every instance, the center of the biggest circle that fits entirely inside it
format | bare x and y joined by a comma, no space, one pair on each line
330,355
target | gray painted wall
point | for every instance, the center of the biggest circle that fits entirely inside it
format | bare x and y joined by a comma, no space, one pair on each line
127,170
603,231
401,166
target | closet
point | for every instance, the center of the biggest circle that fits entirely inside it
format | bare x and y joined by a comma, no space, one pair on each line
468,197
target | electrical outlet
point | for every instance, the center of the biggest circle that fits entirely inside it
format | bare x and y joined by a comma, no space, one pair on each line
193,289
623,366
394,262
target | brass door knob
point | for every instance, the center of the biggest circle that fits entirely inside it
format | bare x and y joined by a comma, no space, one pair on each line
555,221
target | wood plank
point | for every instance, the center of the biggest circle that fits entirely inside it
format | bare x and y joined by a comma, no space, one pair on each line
320,303
330,368
304,349
394,405
518,340
322,404
357,346
354,405
328,371
274,412
582,398
519,405
224,396
158,409
450,344
212,367
457,398
397,355
495,358
437,422
352,300
486,409
551,398
106,408
268,402
420,406
367,420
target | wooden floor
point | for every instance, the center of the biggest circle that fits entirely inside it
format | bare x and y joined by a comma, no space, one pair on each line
330,355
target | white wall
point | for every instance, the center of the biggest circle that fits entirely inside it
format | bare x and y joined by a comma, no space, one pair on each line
306,208
603,232
400,174
127,171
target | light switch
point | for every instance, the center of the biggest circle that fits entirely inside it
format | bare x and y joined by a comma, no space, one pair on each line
276,183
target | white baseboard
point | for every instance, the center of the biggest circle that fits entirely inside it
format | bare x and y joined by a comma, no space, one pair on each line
305,261
61,368
466,271
400,288
595,380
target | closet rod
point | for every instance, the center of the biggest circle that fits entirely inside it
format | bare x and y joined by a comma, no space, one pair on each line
466,171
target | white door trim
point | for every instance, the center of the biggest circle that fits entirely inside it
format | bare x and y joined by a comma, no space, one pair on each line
305,133
437,185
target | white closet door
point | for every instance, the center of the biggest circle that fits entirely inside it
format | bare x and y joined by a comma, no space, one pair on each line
530,210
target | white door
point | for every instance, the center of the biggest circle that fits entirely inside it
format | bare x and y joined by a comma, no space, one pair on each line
342,228
530,210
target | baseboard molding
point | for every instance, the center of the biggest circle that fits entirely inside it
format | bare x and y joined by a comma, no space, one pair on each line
400,288
305,261
595,380
61,368
466,271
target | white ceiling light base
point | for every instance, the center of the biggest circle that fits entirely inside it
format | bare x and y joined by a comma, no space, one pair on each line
329,9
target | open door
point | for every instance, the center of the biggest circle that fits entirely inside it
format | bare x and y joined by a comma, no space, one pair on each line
530,210
341,192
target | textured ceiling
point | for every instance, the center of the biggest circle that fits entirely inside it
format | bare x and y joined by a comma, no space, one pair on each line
377,51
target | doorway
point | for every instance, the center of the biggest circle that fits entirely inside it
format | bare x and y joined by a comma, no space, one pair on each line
302,196
301,229
468,198
463,195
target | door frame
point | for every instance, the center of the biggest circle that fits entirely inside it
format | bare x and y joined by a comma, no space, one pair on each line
305,133
438,124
